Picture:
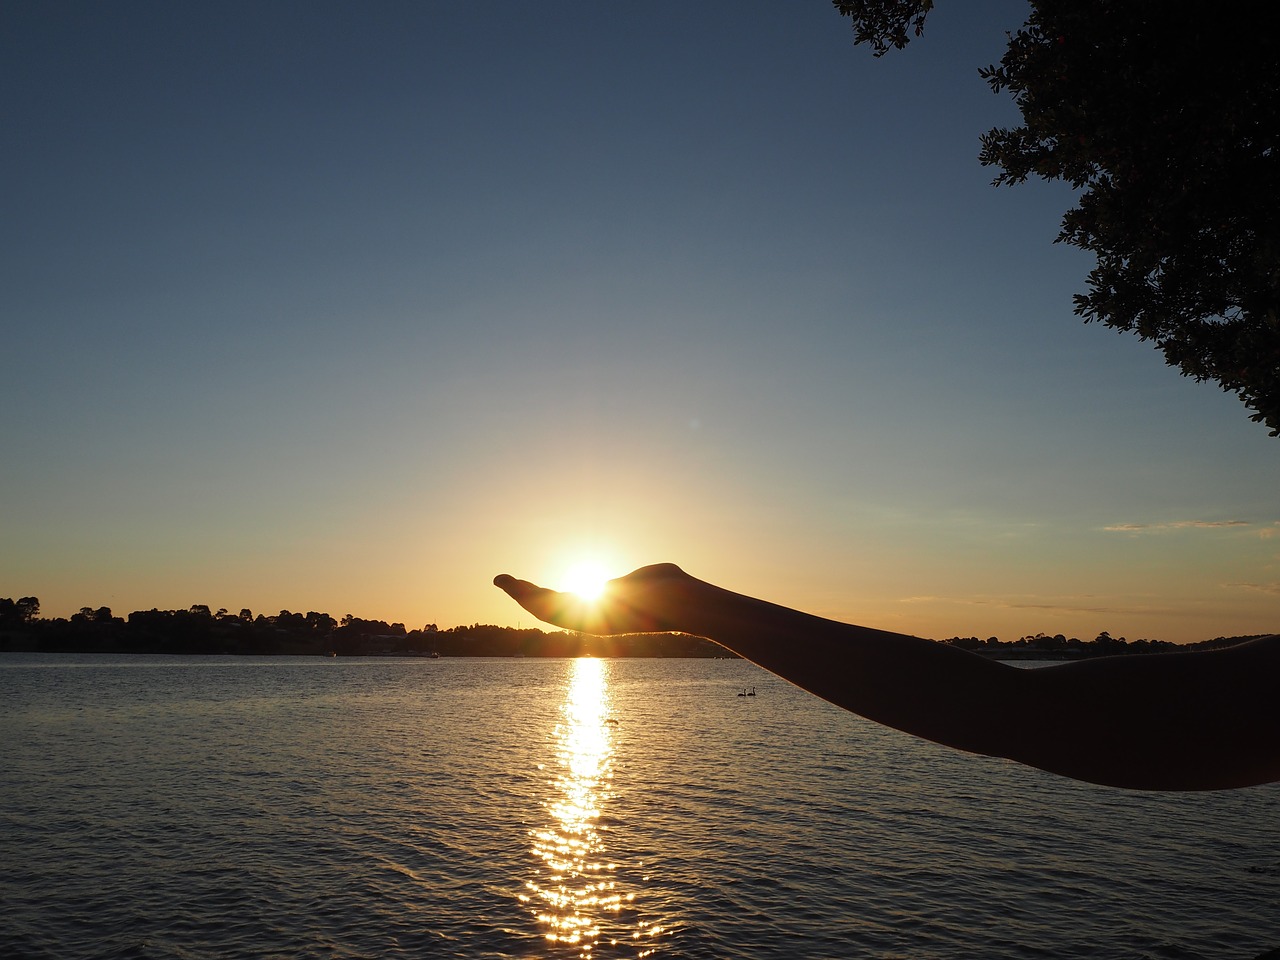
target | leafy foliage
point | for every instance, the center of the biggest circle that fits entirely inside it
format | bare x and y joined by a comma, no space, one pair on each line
885,24
1166,118
1170,132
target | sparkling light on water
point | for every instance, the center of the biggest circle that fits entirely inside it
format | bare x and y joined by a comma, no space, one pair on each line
577,898
243,807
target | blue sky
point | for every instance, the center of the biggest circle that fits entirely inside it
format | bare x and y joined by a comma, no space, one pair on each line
348,308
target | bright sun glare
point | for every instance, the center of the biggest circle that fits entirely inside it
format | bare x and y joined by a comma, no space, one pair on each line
586,578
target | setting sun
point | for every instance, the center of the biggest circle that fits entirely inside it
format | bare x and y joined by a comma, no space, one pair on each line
587,579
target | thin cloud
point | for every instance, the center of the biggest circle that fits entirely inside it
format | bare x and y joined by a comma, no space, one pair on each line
1272,589
1175,525
1069,605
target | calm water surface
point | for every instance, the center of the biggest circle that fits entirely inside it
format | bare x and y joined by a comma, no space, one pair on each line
193,807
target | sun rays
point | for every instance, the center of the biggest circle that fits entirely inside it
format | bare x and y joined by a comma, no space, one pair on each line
586,579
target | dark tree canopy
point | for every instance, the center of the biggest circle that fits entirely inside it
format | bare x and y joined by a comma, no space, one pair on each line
885,24
1165,117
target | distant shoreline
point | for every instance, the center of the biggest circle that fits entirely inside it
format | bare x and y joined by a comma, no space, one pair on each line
199,630
505,642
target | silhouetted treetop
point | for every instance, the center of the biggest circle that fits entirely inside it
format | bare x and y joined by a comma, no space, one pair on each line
20,611
885,24
1168,124
1165,117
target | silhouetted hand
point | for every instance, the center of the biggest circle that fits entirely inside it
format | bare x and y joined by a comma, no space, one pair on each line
651,599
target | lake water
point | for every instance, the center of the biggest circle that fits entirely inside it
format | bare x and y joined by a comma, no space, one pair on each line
193,807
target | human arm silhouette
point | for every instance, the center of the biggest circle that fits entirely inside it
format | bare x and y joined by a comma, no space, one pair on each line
1203,720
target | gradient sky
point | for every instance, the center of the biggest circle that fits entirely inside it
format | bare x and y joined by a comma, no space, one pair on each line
340,307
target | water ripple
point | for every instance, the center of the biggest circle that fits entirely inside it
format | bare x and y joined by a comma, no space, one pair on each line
216,808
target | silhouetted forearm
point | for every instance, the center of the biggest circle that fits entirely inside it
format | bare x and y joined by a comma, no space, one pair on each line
1182,721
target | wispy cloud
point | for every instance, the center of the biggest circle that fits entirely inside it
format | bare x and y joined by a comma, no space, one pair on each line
1266,533
1176,525
1273,588
1069,605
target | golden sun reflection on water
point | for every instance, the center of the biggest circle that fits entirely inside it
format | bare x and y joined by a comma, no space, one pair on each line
576,897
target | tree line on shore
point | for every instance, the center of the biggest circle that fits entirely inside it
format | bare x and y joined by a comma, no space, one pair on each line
200,630
1042,646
